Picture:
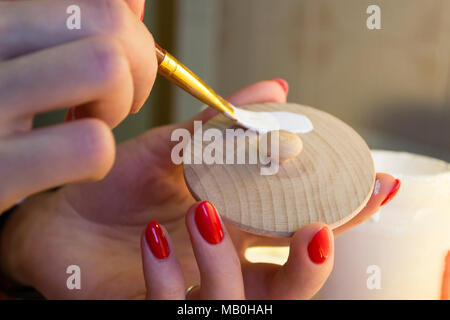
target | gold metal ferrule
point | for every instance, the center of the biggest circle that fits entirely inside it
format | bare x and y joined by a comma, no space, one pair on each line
176,72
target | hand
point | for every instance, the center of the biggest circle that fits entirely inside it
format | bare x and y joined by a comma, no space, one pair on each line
102,72
224,272
310,261
97,226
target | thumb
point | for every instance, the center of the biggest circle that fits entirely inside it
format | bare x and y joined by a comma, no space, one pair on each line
309,264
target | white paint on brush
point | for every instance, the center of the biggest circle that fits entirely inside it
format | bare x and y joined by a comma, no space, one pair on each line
270,121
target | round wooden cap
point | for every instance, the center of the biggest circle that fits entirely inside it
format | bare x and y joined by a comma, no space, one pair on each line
330,181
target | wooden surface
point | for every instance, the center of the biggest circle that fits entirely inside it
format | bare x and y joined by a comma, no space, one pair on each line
289,145
330,181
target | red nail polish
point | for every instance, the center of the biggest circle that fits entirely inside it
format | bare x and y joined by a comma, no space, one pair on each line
208,222
319,246
69,115
156,240
393,192
143,12
283,83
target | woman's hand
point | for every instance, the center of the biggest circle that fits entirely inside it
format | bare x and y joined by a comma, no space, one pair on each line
224,272
98,225
309,264
103,71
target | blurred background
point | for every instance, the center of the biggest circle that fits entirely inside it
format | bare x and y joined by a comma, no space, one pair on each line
392,85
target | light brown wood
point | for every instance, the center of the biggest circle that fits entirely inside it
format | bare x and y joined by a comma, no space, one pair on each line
330,181
289,145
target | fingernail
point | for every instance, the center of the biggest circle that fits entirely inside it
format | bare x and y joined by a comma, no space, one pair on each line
69,115
156,240
319,246
208,222
283,83
143,12
393,192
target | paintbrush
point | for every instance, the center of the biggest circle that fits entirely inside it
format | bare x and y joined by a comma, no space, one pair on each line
176,72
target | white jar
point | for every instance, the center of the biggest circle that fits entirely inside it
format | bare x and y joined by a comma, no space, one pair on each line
399,253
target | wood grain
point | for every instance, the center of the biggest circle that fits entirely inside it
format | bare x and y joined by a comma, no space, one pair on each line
330,181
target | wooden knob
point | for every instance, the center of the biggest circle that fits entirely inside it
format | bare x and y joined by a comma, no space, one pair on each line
289,145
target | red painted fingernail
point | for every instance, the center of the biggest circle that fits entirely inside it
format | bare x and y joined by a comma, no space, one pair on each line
283,83
208,222
393,192
69,115
156,240
319,246
143,12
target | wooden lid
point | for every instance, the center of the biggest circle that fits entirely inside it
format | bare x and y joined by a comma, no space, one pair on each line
330,181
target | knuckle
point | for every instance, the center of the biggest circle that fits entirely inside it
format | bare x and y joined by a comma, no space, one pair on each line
109,63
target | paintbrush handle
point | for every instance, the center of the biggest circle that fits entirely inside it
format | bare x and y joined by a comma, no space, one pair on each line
160,53
176,72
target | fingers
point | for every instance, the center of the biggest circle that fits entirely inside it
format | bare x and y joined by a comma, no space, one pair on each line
309,264
49,157
219,266
386,187
163,275
220,270
29,26
93,73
